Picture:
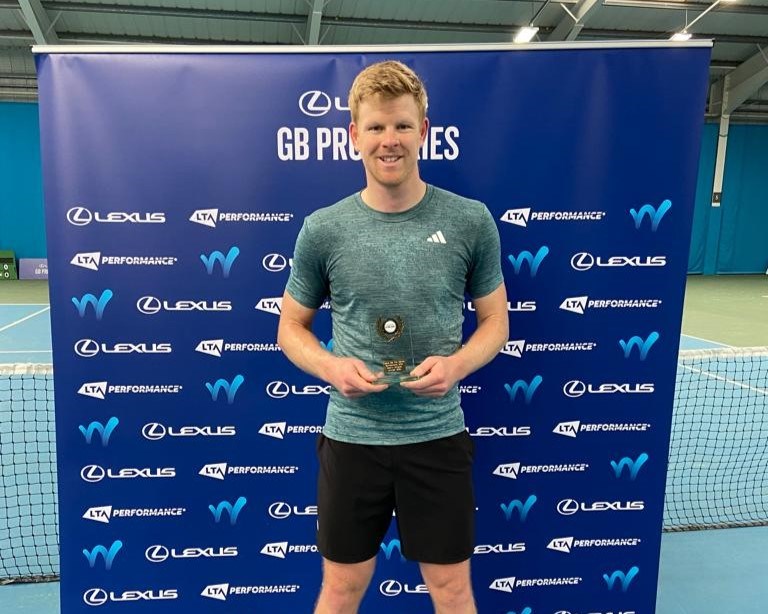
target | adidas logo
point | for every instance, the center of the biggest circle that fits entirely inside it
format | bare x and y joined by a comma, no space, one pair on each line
437,238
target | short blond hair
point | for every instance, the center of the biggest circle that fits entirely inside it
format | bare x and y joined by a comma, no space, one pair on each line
389,79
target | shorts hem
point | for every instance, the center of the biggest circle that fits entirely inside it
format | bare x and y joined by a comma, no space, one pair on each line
349,560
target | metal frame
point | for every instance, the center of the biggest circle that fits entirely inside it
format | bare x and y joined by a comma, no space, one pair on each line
232,49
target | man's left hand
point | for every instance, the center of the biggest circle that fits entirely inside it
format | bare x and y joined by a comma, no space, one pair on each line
437,375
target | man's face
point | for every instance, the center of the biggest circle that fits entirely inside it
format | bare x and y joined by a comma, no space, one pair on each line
388,135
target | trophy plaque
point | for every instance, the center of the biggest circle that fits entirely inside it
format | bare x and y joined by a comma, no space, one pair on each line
392,350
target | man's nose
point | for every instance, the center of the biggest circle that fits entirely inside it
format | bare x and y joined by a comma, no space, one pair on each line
391,138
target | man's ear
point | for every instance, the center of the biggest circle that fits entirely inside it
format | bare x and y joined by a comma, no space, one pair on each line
424,129
353,135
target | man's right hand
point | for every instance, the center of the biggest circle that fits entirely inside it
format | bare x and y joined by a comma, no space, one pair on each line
352,378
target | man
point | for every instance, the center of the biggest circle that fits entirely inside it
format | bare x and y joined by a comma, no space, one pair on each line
403,253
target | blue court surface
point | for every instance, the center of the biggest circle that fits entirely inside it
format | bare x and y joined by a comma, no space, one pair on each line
702,572
25,333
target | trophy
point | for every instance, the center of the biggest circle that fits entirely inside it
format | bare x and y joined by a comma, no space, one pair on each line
392,350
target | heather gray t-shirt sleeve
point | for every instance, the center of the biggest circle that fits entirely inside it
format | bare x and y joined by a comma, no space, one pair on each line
485,268
308,281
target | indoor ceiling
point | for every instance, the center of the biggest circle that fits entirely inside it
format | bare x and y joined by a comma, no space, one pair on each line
738,28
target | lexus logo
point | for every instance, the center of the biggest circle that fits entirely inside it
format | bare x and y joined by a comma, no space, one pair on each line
87,348
391,588
582,261
567,507
315,103
95,596
153,431
149,305
274,263
278,390
92,473
280,510
157,554
574,388
79,216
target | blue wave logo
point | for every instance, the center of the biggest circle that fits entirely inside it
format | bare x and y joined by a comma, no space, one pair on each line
633,465
104,430
225,261
229,388
525,610
533,261
522,508
328,345
643,345
529,389
653,213
98,304
232,510
100,551
389,548
624,578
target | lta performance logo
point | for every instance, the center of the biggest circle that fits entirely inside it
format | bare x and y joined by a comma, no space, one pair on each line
625,579
232,510
655,214
230,389
528,389
104,431
389,548
224,261
633,466
533,261
522,508
98,304
108,555
643,345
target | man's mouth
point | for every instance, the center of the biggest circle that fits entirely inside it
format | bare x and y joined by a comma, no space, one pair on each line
389,159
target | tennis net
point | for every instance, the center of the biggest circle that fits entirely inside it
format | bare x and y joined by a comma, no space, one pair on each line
716,475
719,444
29,526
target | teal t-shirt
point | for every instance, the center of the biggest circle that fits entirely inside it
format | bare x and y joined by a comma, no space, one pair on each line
416,265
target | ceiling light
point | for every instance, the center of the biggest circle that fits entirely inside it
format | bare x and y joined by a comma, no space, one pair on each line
525,35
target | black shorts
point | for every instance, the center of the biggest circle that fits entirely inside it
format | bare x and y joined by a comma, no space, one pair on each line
428,485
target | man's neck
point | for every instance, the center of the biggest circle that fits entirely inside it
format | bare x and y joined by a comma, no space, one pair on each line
396,199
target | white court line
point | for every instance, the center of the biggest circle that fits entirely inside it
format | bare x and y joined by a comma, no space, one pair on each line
23,304
725,345
31,315
725,379
25,351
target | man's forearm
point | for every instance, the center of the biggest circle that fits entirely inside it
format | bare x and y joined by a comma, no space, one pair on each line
483,346
303,349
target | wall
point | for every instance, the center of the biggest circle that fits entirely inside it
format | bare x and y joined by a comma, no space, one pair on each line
22,228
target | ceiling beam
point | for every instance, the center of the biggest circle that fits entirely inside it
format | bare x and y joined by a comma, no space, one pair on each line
573,21
313,21
296,19
741,83
675,5
38,22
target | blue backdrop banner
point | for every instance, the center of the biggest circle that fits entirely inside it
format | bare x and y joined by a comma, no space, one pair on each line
175,186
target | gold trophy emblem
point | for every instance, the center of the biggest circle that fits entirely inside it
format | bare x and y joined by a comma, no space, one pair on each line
391,349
